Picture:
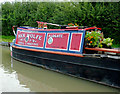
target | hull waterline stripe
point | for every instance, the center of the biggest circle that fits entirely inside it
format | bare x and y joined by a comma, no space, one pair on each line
52,52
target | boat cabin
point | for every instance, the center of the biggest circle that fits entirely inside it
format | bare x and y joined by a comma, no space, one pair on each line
67,40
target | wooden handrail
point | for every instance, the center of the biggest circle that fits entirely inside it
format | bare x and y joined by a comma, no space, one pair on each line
103,49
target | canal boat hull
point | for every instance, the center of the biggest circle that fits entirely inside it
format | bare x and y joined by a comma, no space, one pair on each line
63,50
97,69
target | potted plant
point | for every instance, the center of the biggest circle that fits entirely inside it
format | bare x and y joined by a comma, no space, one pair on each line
107,42
72,26
93,38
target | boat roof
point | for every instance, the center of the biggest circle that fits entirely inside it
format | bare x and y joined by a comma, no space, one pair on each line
63,27
67,29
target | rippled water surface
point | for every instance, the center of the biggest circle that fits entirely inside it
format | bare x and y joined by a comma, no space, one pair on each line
19,77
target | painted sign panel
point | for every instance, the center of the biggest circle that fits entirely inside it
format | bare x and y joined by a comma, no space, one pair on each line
75,41
57,41
30,39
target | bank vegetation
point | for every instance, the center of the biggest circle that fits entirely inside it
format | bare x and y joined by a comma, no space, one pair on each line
101,14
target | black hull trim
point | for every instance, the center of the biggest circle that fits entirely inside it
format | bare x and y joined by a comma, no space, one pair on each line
99,73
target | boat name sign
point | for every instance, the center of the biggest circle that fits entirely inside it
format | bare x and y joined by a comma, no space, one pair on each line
30,39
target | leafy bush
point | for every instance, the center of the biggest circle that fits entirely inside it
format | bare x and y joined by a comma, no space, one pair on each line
101,14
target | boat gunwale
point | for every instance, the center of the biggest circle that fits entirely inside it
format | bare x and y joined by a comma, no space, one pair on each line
103,49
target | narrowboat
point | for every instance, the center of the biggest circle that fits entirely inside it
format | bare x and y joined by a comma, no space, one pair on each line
64,50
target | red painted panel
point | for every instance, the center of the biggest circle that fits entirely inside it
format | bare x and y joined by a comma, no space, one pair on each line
30,39
75,41
57,40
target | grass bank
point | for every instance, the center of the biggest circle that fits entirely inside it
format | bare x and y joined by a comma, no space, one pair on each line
6,38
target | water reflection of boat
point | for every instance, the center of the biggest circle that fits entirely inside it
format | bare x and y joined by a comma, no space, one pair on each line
62,50
41,80
32,80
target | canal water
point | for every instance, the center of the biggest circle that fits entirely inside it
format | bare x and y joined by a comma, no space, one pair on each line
16,76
